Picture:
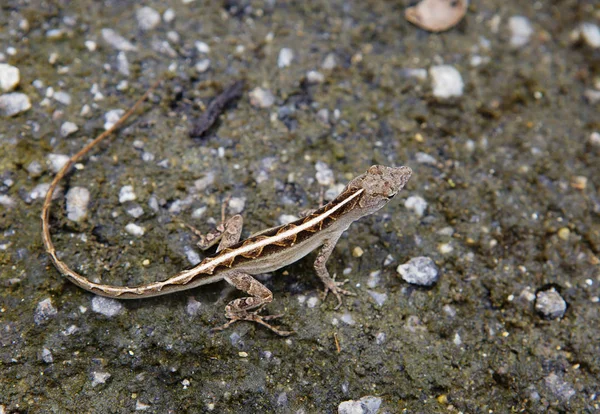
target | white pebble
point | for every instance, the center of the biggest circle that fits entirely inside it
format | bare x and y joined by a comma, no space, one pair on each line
347,319
47,356
193,306
106,306
112,117
44,311
324,174
68,128
379,298
333,191
126,194
420,271
39,191
595,138
192,256
590,34
57,161
550,304
78,199
366,405
9,77
90,45
117,41
169,15
286,55
314,76
374,278
417,73
122,64
147,18
423,158
330,62
199,212
287,218
135,211
416,204
445,248
520,29
7,201
202,65
14,103
99,378
62,97
134,230
261,98
236,205
446,81
202,47
312,302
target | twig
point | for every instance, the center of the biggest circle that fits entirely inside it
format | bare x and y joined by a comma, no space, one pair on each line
216,108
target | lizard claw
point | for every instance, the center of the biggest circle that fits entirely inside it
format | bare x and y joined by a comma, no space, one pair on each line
334,287
253,317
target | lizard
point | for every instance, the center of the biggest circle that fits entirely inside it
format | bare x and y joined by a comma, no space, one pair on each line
237,261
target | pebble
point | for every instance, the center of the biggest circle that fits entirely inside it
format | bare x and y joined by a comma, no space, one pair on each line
9,77
333,191
202,65
47,356
446,81
423,158
126,194
366,405
40,190
7,201
117,41
550,304
44,311
123,64
416,204
236,205
169,15
286,55
330,62
99,378
347,319
357,252
90,45
203,183
78,199
420,271
135,211
380,338
112,117
14,103
374,278
595,139
379,298
62,97
417,73
199,212
140,406
436,15
106,306
261,98
314,76
559,387
520,30
590,33
445,248
67,129
324,174
202,47
192,256
193,306
147,18
287,218
57,161
134,229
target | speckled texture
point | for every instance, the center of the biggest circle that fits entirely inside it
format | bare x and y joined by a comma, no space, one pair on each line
500,192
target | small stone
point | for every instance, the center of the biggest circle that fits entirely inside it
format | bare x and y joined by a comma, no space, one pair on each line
192,256
323,115
313,76
169,15
147,18
261,98
44,311
520,29
99,378
374,278
40,190
445,248
202,65
420,271
559,387
550,304
122,64
112,117
106,306
357,252
348,319
366,405
135,211
423,158
330,62
14,103
590,33
117,41
203,183
236,205
62,97
9,77
417,73
416,204
380,338
140,406
379,298
324,174
90,45
286,55
287,218
446,81
57,161
134,230
595,139
78,199
7,201
202,47
579,182
47,356
193,306
436,15
564,233
126,194
67,129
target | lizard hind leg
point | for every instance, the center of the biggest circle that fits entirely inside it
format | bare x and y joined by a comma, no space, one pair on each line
247,308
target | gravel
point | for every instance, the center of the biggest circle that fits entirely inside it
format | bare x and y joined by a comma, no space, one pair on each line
202,65
117,41
112,117
99,378
446,81
68,128
78,199
44,311
134,230
9,77
520,30
550,304
590,33
286,55
324,174
126,194
420,271
14,103
416,204
106,306
366,405
57,161
147,18
261,98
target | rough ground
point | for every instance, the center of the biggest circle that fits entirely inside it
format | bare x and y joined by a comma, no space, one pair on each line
509,172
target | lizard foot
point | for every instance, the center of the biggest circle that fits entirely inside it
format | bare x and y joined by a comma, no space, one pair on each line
334,287
253,317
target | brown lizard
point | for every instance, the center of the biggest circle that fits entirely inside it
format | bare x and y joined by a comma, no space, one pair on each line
237,261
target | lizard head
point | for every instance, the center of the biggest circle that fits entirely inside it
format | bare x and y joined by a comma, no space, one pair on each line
380,184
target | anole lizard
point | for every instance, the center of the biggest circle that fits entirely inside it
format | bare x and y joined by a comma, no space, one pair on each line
266,251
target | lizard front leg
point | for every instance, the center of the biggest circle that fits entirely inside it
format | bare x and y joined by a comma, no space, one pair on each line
320,267
247,308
